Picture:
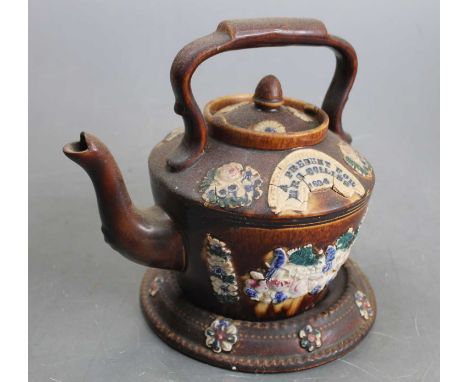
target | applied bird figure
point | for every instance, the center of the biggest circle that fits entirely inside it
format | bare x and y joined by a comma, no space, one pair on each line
277,263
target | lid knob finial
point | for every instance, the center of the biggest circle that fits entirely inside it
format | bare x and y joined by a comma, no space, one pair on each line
268,93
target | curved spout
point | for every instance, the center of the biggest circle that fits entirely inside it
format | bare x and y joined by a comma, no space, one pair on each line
148,237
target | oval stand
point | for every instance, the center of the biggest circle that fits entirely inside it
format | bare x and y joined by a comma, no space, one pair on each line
329,330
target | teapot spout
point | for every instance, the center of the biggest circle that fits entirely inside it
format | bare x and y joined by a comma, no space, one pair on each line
149,236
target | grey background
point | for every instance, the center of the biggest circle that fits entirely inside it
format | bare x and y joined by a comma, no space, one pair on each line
102,66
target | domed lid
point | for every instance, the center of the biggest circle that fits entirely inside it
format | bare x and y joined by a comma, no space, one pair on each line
266,120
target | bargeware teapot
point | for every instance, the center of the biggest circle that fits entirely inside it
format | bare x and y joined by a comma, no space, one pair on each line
257,204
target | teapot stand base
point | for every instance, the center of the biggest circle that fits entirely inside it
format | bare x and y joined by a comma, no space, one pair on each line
322,334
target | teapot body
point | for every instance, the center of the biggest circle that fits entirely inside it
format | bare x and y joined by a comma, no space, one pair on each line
244,259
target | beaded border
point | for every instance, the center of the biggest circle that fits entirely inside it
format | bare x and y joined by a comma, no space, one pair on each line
265,364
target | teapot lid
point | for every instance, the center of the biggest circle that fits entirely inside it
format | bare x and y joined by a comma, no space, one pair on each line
266,120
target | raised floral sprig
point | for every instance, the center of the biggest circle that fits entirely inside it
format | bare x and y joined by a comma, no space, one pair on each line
310,338
154,286
231,186
221,335
223,279
218,248
362,302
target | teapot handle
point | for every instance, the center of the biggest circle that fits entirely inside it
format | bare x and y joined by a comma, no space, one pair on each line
253,33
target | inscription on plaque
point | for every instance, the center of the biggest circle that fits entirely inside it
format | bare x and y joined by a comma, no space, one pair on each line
357,162
304,172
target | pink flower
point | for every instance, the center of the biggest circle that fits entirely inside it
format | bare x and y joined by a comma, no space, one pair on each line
229,173
278,284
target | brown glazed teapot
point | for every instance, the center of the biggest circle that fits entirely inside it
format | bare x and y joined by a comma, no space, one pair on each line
258,202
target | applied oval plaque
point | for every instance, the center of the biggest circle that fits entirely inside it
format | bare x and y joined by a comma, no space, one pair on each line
355,160
304,172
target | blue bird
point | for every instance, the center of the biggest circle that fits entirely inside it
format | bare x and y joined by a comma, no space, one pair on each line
277,263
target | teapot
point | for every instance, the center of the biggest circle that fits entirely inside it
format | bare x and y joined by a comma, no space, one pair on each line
258,201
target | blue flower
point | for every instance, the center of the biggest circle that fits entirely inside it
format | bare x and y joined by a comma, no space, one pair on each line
248,187
232,187
331,251
315,290
247,174
215,247
279,297
251,292
327,266
218,271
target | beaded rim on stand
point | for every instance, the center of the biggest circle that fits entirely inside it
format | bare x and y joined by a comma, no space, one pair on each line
320,335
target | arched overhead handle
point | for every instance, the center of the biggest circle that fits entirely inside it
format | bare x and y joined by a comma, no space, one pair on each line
254,33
